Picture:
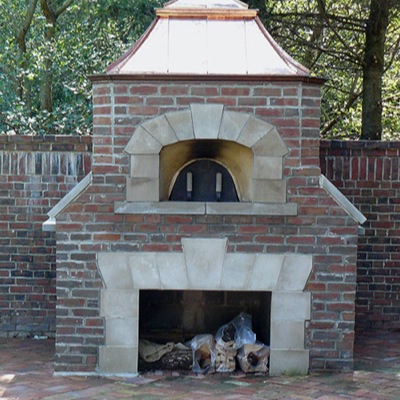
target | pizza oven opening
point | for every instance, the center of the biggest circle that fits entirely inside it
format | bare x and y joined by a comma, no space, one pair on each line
205,170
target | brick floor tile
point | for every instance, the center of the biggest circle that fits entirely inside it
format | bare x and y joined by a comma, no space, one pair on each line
27,373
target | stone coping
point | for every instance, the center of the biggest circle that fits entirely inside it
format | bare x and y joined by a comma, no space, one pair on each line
341,199
50,224
201,208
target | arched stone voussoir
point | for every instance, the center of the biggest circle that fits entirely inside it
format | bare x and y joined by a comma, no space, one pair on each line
181,123
161,130
206,120
142,142
254,130
270,145
232,124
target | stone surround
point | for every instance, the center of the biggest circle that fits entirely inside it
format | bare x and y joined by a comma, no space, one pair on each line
204,264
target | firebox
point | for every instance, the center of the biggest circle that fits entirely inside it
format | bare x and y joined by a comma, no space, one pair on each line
178,316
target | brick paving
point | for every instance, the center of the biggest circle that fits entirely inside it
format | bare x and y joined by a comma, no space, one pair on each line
26,373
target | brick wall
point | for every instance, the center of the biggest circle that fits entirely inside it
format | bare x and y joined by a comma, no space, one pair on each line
89,225
35,172
368,174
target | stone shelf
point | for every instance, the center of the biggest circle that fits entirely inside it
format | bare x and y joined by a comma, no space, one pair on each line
202,208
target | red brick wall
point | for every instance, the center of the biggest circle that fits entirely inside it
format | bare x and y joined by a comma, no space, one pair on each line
35,172
321,228
368,174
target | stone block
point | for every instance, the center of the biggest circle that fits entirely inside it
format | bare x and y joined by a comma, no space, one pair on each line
142,142
163,207
287,335
269,191
232,124
254,130
270,145
119,303
172,270
292,306
145,166
182,124
295,271
161,130
144,271
267,167
289,362
142,189
236,271
114,270
204,261
118,360
251,208
206,120
265,272
122,332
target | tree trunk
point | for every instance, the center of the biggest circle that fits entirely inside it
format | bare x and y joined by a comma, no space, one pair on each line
22,90
46,83
311,54
373,69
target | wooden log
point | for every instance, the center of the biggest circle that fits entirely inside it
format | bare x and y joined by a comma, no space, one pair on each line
177,359
253,357
225,358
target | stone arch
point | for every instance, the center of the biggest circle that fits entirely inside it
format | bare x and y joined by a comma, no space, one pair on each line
261,151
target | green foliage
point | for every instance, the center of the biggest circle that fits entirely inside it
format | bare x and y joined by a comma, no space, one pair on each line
90,34
333,48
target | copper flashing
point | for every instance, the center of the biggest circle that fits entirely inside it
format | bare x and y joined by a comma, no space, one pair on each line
210,13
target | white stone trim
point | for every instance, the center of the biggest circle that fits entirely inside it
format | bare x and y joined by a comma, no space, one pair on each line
205,264
341,199
200,208
50,224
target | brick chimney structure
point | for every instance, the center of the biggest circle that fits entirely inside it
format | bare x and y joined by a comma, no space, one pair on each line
205,196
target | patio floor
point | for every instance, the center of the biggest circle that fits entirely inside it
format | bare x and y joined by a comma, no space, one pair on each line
26,372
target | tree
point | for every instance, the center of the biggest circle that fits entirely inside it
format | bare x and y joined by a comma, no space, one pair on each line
51,13
373,69
356,46
49,48
22,50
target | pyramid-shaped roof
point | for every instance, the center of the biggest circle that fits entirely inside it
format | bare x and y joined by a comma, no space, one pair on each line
206,38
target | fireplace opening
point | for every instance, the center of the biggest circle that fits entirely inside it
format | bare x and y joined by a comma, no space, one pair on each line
177,316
